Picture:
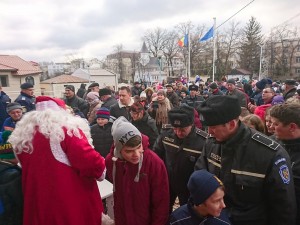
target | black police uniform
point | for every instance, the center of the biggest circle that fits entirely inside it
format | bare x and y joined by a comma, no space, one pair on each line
180,156
26,101
256,172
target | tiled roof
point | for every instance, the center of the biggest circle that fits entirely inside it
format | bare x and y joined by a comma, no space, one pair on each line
20,66
64,79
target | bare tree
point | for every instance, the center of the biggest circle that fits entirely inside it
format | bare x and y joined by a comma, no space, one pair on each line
281,48
227,45
156,40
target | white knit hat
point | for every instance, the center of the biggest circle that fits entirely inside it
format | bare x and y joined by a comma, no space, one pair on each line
122,130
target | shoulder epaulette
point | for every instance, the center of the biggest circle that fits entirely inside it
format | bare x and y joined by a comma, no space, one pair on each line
166,126
265,141
202,133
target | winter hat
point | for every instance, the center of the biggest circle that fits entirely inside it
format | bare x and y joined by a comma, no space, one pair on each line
12,106
104,91
161,92
290,82
231,81
122,130
143,94
103,113
220,109
213,86
26,85
202,185
93,85
278,99
181,116
45,102
261,84
70,87
93,95
193,87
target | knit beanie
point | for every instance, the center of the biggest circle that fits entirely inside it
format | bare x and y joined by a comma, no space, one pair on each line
12,106
278,99
231,81
213,86
202,185
93,95
161,92
70,87
261,84
143,94
122,131
220,109
103,113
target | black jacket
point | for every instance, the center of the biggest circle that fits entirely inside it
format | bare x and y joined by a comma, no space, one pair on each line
193,102
256,172
147,126
289,93
180,155
293,149
76,102
173,98
116,111
102,138
109,102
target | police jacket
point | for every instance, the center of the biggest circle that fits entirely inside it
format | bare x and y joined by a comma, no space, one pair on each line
293,149
26,101
193,102
180,155
256,172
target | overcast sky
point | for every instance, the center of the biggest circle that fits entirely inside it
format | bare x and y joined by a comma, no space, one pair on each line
55,30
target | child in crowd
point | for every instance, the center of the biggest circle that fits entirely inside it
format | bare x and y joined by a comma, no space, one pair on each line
101,132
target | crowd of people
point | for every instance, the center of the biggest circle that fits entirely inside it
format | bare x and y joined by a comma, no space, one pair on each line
214,152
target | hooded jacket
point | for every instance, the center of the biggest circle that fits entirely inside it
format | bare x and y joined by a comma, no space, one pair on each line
145,202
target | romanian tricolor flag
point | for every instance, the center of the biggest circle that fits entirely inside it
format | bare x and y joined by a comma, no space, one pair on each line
183,41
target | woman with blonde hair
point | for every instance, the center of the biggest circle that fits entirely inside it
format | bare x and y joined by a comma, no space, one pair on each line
159,108
254,121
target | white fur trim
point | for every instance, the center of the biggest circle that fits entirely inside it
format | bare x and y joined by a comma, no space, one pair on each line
59,154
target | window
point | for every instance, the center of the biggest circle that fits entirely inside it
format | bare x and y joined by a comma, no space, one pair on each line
4,80
298,48
297,59
29,79
297,70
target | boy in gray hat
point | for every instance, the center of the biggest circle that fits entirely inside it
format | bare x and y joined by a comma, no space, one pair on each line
141,189
256,170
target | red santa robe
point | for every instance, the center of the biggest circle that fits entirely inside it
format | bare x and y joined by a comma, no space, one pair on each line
59,185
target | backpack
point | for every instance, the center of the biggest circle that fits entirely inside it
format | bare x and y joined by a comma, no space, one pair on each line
11,196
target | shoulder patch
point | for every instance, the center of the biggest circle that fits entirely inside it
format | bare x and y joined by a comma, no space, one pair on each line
265,141
202,133
166,126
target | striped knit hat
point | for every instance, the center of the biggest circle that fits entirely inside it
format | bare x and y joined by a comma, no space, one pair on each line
103,113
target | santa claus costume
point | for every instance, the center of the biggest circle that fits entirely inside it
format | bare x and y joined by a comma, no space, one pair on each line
59,167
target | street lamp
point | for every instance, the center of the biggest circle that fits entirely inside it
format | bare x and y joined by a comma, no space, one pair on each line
260,60
159,56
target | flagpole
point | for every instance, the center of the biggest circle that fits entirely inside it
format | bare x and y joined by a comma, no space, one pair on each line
214,50
189,52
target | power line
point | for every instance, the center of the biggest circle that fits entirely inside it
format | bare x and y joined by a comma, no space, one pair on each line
235,14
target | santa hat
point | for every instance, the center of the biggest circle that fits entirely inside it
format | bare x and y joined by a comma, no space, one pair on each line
45,102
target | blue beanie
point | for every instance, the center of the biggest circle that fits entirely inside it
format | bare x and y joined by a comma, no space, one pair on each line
103,113
202,185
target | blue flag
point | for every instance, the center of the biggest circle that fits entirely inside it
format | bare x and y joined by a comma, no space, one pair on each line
208,35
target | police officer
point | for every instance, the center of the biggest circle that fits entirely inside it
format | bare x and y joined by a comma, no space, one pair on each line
179,148
255,170
193,100
26,98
